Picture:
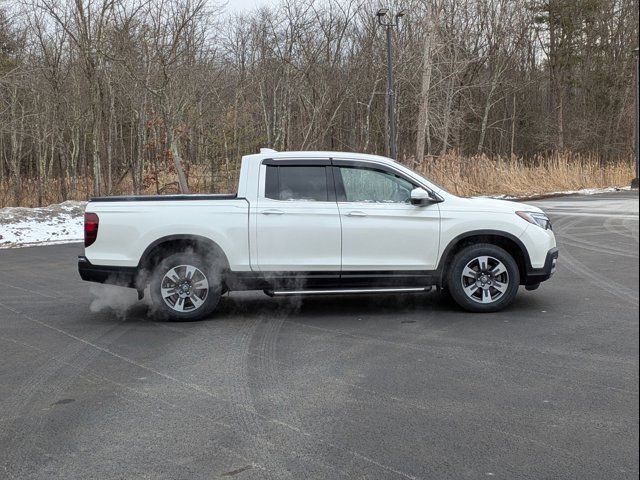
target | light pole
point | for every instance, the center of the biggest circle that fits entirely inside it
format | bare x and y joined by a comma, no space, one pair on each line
634,182
393,20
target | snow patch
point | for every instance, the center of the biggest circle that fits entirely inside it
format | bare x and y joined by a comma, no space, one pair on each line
58,223
584,191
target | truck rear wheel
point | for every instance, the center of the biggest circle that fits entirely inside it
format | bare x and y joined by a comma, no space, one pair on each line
483,278
185,287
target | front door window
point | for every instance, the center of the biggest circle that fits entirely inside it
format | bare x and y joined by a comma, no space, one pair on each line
373,186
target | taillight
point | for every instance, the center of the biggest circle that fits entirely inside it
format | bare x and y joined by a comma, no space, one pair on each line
91,222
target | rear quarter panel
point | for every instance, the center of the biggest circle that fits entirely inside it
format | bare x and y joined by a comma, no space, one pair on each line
128,228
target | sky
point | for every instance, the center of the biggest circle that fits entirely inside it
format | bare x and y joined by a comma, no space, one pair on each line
240,6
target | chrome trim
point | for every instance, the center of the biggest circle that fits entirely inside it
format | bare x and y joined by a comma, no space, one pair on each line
338,291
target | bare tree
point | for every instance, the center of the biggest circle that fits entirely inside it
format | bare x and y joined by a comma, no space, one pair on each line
105,96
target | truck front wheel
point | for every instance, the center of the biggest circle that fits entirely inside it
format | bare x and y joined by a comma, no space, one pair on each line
483,278
185,287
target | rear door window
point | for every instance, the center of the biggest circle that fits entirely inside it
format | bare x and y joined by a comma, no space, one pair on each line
297,183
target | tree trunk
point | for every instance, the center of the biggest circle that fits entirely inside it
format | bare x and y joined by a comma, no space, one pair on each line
448,111
513,126
560,119
423,112
485,114
175,154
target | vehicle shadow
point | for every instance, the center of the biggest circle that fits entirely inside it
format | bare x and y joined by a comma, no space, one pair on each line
401,308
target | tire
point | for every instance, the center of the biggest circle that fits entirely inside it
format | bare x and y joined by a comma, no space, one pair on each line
174,287
483,278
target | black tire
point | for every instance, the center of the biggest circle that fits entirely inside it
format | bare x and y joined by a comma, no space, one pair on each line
490,291
200,302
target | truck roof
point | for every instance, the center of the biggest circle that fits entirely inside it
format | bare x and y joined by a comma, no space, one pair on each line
314,154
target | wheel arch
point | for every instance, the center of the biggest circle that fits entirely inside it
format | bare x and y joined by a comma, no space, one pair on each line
170,244
502,239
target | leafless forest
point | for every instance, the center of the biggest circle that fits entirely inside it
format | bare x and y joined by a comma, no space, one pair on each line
128,96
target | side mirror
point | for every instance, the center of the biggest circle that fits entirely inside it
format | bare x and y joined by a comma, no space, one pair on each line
420,197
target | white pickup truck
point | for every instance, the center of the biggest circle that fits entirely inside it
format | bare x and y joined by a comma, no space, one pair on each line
317,223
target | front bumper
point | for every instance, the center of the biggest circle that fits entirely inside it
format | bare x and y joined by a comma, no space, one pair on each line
122,276
537,275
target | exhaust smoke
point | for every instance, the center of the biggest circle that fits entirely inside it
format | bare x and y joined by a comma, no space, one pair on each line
113,298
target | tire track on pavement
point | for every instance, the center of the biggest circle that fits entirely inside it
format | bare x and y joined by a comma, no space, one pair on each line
203,390
266,373
610,286
94,377
50,380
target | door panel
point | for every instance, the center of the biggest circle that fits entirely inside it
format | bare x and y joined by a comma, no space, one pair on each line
298,229
381,229
389,237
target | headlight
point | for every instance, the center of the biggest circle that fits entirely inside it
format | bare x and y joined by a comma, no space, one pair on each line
537,218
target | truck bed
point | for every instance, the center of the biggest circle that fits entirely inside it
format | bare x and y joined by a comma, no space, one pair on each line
158,198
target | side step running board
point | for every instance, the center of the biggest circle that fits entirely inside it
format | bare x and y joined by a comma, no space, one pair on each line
342,291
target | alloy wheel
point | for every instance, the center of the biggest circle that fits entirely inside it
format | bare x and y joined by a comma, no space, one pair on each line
485,279
184,288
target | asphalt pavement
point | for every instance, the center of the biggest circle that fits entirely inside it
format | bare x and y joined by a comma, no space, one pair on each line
396,387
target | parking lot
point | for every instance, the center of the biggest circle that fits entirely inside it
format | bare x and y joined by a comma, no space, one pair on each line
404,386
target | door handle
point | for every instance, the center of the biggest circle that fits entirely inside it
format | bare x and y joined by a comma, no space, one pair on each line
272,211
356,214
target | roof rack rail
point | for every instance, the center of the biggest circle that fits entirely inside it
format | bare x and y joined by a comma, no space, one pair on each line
268,150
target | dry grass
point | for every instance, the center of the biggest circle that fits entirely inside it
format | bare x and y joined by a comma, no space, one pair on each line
515,177
465,176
